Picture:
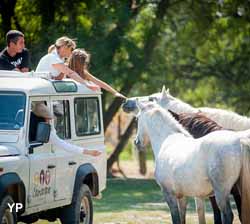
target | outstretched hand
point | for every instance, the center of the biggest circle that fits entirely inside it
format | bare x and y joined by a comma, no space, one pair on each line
92,152
120,95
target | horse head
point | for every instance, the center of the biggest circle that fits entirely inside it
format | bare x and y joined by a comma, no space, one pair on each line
130,105
163,98
141,139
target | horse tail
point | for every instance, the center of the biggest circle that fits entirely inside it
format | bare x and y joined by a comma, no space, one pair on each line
245,181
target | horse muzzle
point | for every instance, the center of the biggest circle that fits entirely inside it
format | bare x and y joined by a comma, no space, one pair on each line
130,106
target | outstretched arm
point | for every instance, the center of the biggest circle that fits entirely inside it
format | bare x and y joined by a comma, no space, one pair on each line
102,84
67,71
60,143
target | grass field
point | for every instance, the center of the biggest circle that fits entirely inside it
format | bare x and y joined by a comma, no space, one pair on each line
137,201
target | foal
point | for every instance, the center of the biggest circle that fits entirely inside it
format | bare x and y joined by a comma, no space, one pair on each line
198,126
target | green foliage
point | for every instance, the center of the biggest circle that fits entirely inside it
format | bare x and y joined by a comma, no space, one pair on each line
200,50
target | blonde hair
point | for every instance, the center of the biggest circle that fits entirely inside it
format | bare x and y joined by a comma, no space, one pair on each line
62,41
78,60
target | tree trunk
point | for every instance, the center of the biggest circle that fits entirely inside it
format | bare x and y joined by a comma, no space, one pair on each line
124,139
117,34
47,10
115,105
150,45
116,37
7,10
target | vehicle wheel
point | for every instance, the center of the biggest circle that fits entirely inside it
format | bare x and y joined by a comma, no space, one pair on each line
6,216
81,210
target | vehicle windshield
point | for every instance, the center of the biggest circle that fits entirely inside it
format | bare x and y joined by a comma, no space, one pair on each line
12,108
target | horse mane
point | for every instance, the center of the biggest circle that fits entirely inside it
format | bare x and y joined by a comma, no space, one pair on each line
175,115
227,119
176,104
197,124
224,118
168,118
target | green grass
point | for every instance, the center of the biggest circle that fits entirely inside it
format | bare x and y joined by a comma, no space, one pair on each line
122,195
137,201
128,153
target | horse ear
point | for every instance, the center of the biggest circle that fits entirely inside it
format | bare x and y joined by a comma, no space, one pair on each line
164,92
163,89
139,104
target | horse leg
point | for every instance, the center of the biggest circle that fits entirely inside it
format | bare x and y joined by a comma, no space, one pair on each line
237,198
222,199
200,208
227,214
182,202
173,206
222,188
216,210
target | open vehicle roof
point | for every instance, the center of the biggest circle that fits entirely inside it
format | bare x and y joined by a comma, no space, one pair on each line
35,84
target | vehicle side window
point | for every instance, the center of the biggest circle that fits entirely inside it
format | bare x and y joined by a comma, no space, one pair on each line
34,121
62,118
12,110
87,116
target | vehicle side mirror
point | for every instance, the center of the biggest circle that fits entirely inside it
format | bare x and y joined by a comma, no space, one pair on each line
43,132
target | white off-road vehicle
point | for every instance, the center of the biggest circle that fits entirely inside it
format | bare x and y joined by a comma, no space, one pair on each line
37,179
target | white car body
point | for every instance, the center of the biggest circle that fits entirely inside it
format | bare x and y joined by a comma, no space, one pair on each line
45,177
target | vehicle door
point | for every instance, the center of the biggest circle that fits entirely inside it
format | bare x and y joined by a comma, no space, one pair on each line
66,161
41,162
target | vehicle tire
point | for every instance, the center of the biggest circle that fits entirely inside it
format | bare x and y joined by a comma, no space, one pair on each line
81,209
6,216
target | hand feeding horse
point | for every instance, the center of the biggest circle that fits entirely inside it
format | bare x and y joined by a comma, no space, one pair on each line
195,167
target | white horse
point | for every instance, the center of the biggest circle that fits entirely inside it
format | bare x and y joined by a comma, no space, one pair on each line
168,102
194,167
226,119
131,106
